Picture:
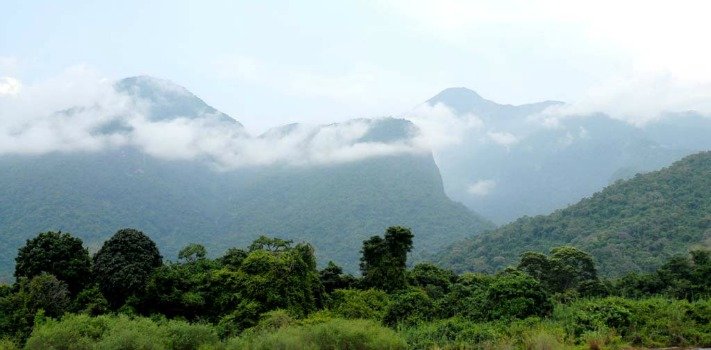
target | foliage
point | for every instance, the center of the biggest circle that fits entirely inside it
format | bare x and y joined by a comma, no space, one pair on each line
409,307
630,226
178,202
567,269
331,334
684,277
383,259
119,332
192,252
332,278
56,253
42,295
364,304
272,295
516,295
124,264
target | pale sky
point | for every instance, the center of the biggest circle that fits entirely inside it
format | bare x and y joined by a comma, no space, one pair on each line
268,63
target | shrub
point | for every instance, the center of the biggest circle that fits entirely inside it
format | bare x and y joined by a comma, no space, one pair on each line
332,334
80,332
366,304
409,307
453,333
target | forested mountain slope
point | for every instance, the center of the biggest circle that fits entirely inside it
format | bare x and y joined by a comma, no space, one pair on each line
334,206
632,225
518,160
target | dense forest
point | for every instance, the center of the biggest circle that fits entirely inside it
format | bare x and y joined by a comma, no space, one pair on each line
632,225
271,295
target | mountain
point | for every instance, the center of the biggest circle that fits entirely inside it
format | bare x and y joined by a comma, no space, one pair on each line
334,205
463,101
631,225
515,162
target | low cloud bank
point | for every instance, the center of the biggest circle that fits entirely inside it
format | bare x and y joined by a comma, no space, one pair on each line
79,111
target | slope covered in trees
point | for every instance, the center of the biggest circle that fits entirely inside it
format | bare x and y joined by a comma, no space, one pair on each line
522,160
632,225
333,205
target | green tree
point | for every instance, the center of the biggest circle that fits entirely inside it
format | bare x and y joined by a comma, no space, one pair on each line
44,294
565,269
516,295
192,252
233,258
332,278
384,260
433,279
56,253
124,264
409,306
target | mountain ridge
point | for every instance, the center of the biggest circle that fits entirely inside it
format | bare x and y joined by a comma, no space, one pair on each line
631,225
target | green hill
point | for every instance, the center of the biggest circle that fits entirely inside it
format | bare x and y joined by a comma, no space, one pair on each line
632,225
334,206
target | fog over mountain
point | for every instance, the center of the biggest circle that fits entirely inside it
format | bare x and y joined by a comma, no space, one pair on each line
147,153
87,155
510,161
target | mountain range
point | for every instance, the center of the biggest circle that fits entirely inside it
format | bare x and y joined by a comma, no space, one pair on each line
330,201
166,162
633,225
516,160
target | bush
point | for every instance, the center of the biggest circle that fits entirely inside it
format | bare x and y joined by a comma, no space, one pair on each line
409,307
331,334
516,295
80,332
453,333
366,304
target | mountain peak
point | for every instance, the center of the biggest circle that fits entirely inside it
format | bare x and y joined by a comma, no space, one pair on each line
463,100
167,100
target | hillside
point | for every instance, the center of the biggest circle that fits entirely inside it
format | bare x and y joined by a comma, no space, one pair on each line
335,205
513,162
632,225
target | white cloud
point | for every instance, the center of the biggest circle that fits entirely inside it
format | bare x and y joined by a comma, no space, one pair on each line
502,138
9,86
637,99
481,188
440,126
656,35
75,112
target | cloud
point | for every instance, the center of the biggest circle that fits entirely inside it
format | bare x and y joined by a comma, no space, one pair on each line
637,99
9,86
655,35
80,111
503,138
440,126
481,188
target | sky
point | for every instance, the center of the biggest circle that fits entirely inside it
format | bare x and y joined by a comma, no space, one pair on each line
268,63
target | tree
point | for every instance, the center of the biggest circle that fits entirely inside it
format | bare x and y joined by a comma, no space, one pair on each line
516,295
566,268
434,280
332,278
410,306
384,260
18,310
536,265
270,244
233,258
56,253
48,293
124,264
192,252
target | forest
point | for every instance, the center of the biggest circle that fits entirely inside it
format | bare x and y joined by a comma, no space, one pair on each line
272,295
